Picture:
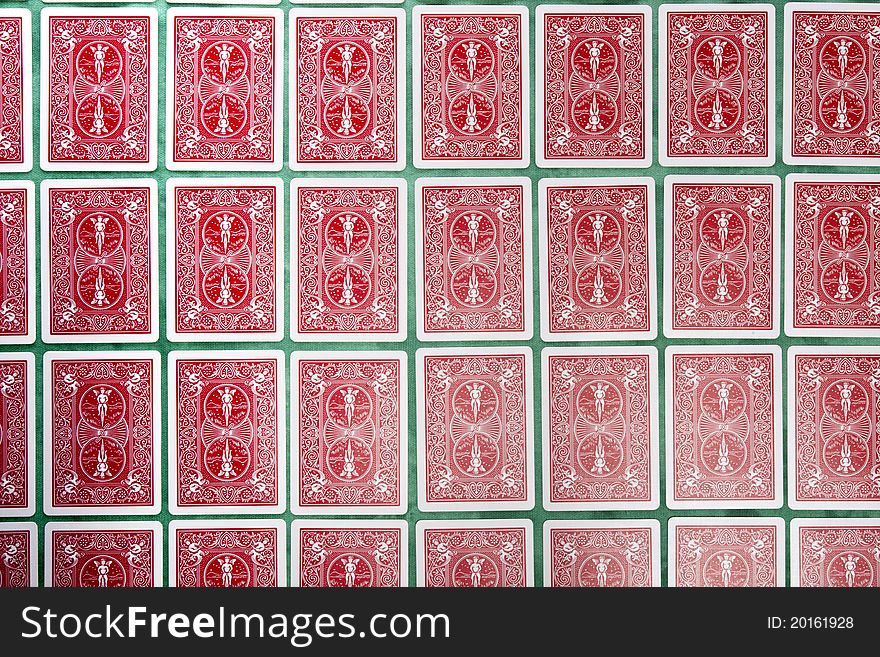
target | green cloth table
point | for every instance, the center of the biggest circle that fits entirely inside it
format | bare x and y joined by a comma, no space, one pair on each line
538,515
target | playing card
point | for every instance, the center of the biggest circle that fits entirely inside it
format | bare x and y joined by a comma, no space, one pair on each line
103,554
348,87
18,555
99,260
834,401
16,151
475,418
18,322
227,554
474,553
348,259
721,256
727,552
225,247
474,258
102,427
226,427
349,417
471,87
832,286
717,85
224,88
597,259
350,553
601,553
838,552
724,427
593,85
832,107
600,415
99,89
17,435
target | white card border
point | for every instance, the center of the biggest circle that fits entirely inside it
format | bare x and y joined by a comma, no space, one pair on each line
31,529
231,524
46,293
323,2
402,460
27,93
644,162
172,333
514,523
174,506
106,525
419,161
30,228
421,463
773,350
790,181
654,440
201,2
527,225
794,543
76,2
817,505
296,542
402,272
787,109
30,436
667,160
169,59
401,99
650,523
776,221
548,335
84,166
723,521
49,507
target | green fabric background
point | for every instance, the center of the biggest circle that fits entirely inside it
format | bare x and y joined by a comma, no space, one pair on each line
538,515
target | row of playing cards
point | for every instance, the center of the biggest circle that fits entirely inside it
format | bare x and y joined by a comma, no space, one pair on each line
225,245
349,432
347,88
717,552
